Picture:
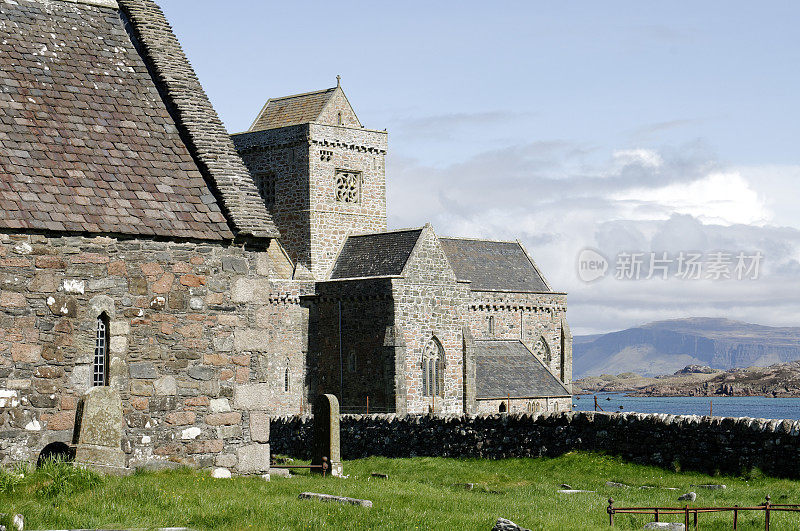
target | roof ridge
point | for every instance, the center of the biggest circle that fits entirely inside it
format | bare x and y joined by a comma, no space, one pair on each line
378,233
468,238
311,93
206,137
112,4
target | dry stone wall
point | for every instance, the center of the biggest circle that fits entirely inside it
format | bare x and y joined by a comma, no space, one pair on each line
718,444
200,337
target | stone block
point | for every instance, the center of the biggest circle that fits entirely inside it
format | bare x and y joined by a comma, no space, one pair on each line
212,446
259,426
252,397
248,339
143,370
253,459
229,432
201,372
165,386
671,526
141,388
180,418
21,352
234,265
225,460
224,419
219,405
62,305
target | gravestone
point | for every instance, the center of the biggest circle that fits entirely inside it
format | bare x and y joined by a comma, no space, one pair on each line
326,434
98,431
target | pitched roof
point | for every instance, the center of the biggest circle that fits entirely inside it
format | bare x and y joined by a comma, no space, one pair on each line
506,368
493,265
292,110
100,134
375,255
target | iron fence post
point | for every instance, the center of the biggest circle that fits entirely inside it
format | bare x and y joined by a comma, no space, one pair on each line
610,511
766,514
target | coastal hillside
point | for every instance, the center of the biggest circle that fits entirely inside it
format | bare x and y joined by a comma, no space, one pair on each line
664,347
779,380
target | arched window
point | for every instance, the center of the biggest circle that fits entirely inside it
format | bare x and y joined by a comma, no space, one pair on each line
351,361
433,369
542,350
100,365
286,378
339,118
491,325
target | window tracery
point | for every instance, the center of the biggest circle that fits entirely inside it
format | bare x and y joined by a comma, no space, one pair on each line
347,186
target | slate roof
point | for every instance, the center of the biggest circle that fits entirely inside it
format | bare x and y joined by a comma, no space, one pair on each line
493,265
375,255
508,368
292,110
89,142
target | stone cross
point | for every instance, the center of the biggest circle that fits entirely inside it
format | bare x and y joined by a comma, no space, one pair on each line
326,434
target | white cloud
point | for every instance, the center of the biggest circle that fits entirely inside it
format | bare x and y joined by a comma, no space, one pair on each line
641,199
724,198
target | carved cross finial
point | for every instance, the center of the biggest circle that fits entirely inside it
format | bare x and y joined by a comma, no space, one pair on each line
338,81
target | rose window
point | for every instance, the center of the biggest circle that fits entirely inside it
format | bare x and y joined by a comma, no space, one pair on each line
348,186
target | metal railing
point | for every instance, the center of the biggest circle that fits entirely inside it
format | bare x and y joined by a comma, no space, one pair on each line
767,508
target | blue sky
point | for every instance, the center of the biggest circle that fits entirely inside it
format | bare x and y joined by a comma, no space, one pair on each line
610,125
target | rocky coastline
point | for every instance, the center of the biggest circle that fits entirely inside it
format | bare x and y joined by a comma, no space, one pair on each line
781,380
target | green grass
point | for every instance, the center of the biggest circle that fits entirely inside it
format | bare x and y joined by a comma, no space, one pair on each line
421,493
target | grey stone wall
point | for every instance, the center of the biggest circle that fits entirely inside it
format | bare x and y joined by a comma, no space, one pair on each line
718,444
523,405
303,160
352,349
431,303
201,334
527,317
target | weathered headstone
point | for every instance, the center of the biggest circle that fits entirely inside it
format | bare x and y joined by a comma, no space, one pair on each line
326,434
689,496
337,499
99,429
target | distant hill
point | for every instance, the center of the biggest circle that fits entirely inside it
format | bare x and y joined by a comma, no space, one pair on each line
664,347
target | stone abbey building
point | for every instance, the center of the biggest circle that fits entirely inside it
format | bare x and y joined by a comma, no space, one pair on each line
181,285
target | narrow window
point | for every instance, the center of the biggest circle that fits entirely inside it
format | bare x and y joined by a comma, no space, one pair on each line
100,366
351,361
433,369
502,408
491,326
266,187
339,118
286,379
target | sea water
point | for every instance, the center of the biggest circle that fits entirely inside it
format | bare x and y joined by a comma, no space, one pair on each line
724,406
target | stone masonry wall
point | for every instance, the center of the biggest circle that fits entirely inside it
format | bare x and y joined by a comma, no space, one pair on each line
200,337
431,303
718,444
527,317
282,156
335,148
523,405
303,161
365,366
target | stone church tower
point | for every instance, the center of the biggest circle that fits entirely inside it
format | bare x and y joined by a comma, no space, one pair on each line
321,173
